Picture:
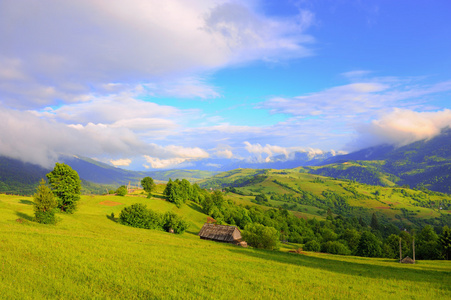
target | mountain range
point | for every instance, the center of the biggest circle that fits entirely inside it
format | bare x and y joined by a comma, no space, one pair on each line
425,163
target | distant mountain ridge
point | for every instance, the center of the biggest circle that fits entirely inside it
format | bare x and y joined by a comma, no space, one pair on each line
424,163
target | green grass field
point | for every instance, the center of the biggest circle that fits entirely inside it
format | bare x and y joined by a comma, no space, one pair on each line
87,255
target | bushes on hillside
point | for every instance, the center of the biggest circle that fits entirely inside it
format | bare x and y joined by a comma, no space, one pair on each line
138,215
260,236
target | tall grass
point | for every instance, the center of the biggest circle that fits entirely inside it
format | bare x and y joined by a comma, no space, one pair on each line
88,255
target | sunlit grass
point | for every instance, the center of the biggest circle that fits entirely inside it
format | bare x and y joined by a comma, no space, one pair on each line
87,255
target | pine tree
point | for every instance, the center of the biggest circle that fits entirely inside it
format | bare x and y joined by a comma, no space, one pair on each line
374,222
44,204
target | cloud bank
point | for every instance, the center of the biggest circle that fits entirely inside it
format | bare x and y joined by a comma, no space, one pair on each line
402,127
62,50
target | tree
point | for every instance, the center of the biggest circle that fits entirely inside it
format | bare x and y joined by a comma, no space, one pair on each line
44,204
121,191
374,222
427,244
445,242
148,185
172,221
172,193
260,236
66,186
218,199
369,245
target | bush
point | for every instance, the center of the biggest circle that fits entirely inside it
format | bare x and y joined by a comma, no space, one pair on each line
121,191
138,215
260,236
312,245
174,222
335,247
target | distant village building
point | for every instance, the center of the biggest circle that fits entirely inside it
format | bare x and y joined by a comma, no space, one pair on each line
222,233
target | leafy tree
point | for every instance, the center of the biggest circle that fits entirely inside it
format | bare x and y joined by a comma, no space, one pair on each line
121,191
218,199
66,186
185,190
172,193
312,245
445,242
427,244
44,204
352,238
260,236
148,185
369,245
174,222
196,193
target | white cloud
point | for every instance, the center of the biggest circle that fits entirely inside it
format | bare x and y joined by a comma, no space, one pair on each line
123,162
402,127
54,44
157,163
223,151
269,150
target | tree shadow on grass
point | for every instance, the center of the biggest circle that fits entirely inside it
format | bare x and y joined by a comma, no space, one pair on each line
195,206
28,202
24,216
159,197
363,269
112,218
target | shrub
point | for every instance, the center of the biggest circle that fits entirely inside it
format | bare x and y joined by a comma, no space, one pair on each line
138,215
335,247
174,222
260,236
121,191
312,245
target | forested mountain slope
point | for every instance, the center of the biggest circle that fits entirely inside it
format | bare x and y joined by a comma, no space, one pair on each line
425,163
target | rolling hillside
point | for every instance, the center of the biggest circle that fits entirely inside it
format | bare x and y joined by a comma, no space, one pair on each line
425,163
87,255
311,195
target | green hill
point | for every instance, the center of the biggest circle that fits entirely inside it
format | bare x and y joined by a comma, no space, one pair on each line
425,163
311,195
87,255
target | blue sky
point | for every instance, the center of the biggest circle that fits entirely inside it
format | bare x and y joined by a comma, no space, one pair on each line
149,84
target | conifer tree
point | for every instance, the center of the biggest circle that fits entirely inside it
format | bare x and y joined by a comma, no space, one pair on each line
44,204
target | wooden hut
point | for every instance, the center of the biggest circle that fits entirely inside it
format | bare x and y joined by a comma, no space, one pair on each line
222,233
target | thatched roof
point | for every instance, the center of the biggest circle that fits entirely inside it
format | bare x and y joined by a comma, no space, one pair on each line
222,233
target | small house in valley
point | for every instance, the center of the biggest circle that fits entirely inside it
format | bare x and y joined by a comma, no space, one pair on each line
222,233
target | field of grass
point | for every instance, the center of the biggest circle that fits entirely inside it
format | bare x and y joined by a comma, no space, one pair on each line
87,255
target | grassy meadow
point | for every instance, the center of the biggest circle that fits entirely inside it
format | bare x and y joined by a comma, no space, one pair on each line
88,255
